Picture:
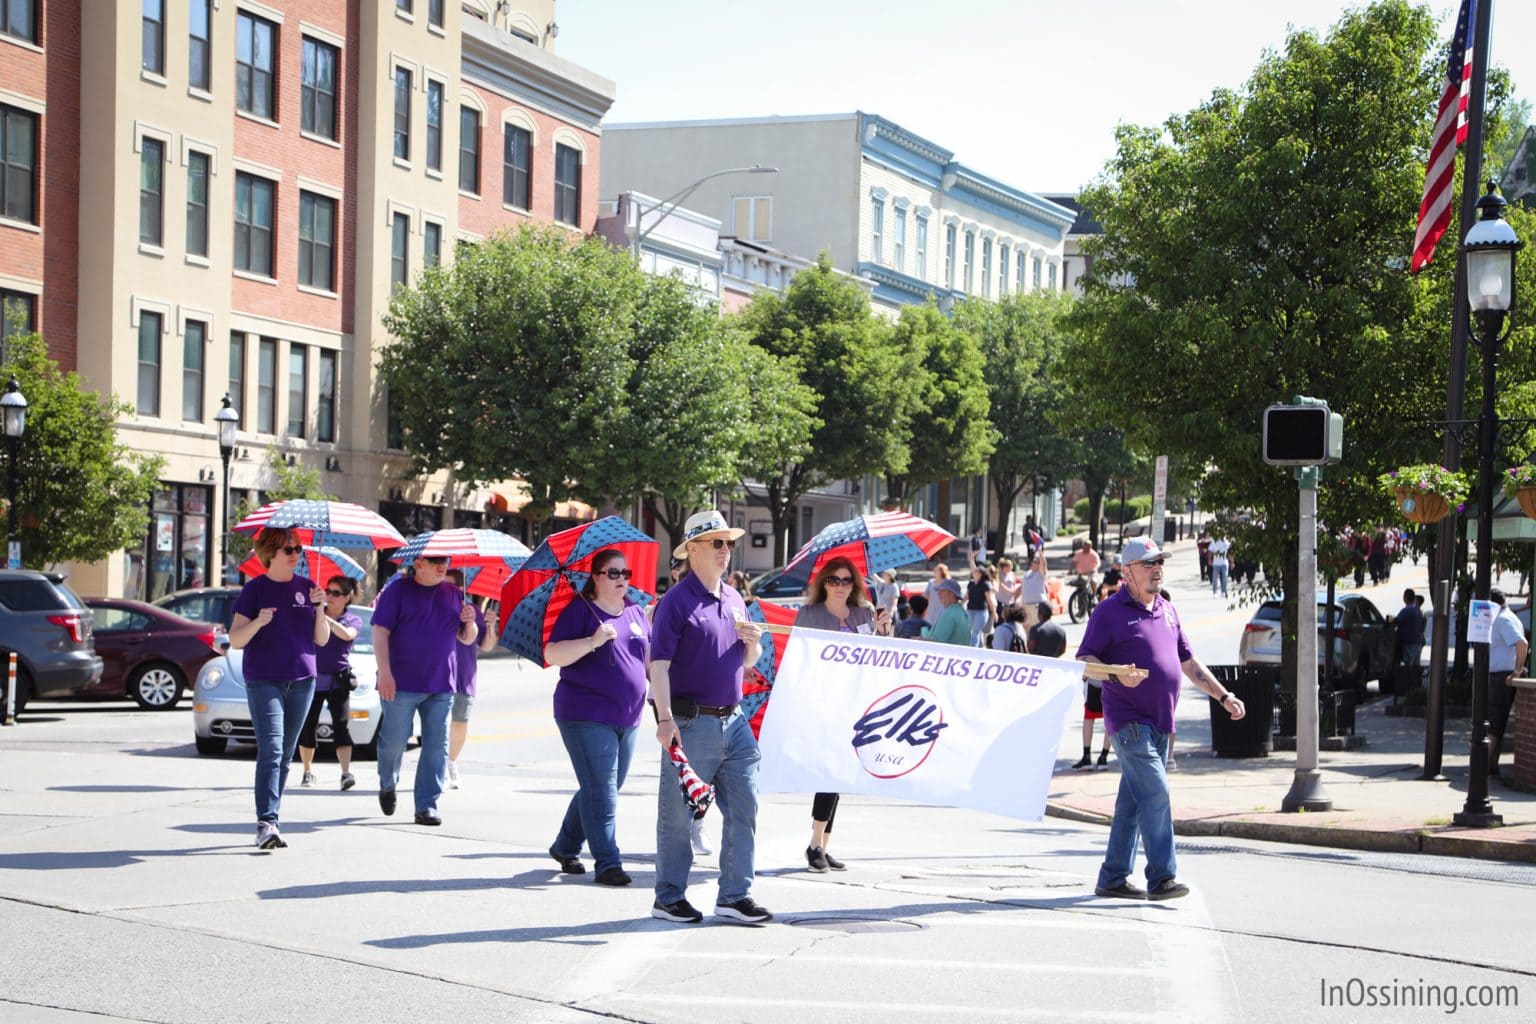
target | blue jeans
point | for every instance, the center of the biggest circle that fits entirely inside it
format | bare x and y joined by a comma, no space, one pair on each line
1141,807
600,755
1219,577
723,752
277,717
978,624
395,729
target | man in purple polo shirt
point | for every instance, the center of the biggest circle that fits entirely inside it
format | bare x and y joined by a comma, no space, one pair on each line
701,640
1137,626
417,622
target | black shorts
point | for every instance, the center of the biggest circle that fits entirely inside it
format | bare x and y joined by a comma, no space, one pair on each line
1501,700
1093,703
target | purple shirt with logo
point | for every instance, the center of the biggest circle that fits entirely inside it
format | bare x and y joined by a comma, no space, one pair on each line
336,654
423,624
284,648
608,684
467,659
1123,632
696,632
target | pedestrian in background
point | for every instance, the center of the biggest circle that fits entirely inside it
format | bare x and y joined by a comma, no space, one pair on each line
1220,564
1010,634
886,594
1203,548
417,623
466,672
333,670
1140,628
911,627
1410,636
600,644
980,604
279,624
1034,588
701,644
950,626
1507,650
940,575
1009,585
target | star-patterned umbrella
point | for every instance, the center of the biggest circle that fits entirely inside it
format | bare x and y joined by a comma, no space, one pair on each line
552,577
488,557
320,564
338,523
757,687
873,543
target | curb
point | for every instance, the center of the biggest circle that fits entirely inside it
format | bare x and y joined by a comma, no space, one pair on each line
1445,843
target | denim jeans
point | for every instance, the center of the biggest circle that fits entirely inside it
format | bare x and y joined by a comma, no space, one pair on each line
723,752
1141,807
978,624
277,717
600,755
1219,578
395,729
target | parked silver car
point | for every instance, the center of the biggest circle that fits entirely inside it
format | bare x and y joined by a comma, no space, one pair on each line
220,712
1362,639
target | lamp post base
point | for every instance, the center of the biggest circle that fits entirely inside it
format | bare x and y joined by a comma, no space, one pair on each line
1427,776
1477,819
1306,794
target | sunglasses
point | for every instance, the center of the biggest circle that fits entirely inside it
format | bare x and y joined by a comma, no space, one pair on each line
292,549
617,574
435,559
838,581
720,542
1156,561
337,593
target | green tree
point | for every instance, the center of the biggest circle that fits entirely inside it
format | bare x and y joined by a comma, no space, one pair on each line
865,387
82,495
951,433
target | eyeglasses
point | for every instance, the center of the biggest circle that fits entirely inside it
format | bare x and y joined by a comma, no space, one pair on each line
337,593
617,574
435,559
292,549
720,542
838,581
1159,562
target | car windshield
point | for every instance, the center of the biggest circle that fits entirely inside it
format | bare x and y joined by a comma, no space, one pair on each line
364,642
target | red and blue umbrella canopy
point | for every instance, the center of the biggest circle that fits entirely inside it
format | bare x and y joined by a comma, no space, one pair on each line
320,564
552,577
337,523
462,547
873,543
758,686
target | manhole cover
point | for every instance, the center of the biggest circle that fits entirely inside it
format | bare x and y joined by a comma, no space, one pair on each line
856,924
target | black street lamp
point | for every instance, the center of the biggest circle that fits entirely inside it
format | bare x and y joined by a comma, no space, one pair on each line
1489,251
15,405
226,419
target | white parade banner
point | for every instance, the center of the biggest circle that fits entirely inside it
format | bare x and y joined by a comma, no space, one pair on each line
917,721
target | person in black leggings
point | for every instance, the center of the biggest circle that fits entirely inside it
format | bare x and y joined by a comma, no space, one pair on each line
333,657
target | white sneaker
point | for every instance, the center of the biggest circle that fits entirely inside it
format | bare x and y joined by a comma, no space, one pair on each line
453,775
701,845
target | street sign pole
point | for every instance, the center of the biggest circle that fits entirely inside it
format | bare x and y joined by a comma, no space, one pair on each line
1159,499
1306,792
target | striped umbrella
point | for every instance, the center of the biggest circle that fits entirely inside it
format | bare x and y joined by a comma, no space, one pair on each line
338,523
462,547
873,543
320,564
757,686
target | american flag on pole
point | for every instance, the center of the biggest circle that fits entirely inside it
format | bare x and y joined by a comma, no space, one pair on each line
1450,132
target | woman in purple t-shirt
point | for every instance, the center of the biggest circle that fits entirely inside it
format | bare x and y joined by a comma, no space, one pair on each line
601,643
334,658
278,624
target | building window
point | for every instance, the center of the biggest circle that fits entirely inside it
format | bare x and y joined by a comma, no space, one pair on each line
517,167
1002,271
18,19
317,241
174,553
921,268
197,204
877,231
150,326
1052,277
986,267
151,192
752,218
970,262
434,125
567,185
1018,274
402,114
399,251
153,52
394,432
949,256
325,417
199,44
266,386
18,314
237,375
298,388
18,164
432,244
435,13
317,93
255,83
193,354
1036,280
469,150
404,5
901,240
253,224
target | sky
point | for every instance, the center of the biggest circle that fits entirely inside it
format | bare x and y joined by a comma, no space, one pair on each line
1026,91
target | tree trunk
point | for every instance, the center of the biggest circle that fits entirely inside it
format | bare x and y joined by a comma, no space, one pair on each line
1095,510
1006,489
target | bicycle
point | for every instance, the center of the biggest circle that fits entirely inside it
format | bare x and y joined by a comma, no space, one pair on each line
1082,599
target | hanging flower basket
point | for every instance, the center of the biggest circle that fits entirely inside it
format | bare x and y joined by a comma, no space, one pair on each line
1425,493
1520,484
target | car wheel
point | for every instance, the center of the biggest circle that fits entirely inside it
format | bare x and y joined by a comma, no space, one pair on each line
156,687
1077,605
211,744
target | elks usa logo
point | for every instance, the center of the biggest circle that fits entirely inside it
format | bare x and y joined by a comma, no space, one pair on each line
898,731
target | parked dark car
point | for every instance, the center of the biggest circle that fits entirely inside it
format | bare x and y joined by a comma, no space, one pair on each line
49,628
1362,639
202,604
148,653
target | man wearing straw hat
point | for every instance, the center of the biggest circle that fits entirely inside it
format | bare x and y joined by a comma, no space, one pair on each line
1138,627
701,640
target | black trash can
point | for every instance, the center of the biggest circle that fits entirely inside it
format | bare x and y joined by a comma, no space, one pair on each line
1253,734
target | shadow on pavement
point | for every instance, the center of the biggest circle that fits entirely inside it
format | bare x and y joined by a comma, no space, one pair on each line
247,828
146,789
531,880
74,860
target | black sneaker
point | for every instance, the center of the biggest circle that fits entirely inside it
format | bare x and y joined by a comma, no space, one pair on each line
833,862
679,911
387,801
568,865
613,876
1167,889
1084,765
1123,891
743,911
816,857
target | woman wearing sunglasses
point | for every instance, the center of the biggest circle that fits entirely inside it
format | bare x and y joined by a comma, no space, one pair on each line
333,658
839,602
600,643
279,624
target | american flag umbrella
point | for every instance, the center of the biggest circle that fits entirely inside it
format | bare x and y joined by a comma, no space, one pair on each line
488,557
338,523
873,543
757,686
697,793
552,577
320,564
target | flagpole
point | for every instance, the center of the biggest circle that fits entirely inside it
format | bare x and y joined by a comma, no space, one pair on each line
1455,400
